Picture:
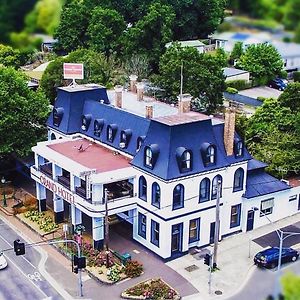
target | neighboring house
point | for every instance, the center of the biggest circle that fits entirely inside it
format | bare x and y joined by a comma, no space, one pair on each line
290,52
35,75
236,74
159,173
201,47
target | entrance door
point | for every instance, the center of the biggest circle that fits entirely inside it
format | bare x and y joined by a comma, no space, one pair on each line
250,220
212,232
176,238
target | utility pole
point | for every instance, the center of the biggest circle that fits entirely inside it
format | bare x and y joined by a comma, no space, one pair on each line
181,81
217,224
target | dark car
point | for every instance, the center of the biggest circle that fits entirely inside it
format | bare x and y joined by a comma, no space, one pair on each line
269,257
278,83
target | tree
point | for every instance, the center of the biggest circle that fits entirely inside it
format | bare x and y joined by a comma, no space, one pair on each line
292,16
263,62
150,34
23,113
105,29
291,97
202,73
291,286
9,57
196,19
71,32
97,69
237,51
272,135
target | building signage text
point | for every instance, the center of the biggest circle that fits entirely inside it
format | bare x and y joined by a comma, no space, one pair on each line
60,191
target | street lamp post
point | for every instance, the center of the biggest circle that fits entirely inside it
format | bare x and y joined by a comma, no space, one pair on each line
3,193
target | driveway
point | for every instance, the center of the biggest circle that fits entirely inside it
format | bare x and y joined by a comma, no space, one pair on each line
262,91
121,241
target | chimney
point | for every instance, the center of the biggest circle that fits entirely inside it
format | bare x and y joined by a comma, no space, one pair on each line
140,91
133,79
149,111
184,103
229,130
118,96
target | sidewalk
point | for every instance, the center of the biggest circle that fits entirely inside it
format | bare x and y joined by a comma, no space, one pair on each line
235,260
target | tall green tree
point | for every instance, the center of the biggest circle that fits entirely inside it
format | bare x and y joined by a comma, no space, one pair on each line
237,51
23,113
105,29
150,34
263,62
71,33
197,68
292,16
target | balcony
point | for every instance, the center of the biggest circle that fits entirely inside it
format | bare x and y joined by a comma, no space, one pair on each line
46,169
120,189
65,181
81,191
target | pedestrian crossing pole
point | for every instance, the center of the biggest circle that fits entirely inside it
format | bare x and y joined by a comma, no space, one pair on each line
217,224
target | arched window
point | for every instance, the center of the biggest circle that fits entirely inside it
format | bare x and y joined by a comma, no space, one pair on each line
184,159
111,132
204,190
85,121
178,196
98,126
139,142
155,194
52,136
148,157
143,188
125,137
58,113
210,155
238,180
214,191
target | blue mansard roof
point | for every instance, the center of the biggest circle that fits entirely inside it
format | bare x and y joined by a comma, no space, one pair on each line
171,134
259,183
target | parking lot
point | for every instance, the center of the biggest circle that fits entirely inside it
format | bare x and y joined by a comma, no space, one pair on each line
271,239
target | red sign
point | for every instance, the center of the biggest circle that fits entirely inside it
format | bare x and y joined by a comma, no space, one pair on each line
73,71
56,189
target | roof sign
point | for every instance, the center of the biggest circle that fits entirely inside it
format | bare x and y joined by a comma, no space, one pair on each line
73,71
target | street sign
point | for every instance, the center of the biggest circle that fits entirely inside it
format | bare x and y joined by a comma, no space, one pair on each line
73,71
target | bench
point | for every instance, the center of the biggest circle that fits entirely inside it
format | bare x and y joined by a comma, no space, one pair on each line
124,258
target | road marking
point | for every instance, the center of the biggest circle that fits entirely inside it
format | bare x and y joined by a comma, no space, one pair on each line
36,276
21,271
12,247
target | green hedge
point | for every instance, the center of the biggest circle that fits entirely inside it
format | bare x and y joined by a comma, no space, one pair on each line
231,90
238,84
296,76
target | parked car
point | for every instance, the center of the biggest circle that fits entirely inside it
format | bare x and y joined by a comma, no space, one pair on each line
269,257
3,261
278,83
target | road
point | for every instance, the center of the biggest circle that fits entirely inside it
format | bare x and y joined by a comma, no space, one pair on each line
22,278
264,282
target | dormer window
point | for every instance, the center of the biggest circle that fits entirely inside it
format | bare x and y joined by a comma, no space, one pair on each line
125,137
58,113
98,126
139,142
85,122
184,159
150,155
239,148
111,132
208,153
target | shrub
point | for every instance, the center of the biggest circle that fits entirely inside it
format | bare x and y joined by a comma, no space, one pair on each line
133,269
113,274
238,84
232,90
296,76
260,98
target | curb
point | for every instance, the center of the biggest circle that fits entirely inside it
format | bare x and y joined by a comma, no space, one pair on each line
6,211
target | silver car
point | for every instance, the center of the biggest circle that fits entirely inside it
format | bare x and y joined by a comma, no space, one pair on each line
3,261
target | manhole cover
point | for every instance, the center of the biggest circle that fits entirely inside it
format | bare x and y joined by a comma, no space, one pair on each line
218,292
191,268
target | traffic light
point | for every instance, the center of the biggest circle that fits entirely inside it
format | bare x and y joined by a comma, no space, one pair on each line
207,259
78,263
19,247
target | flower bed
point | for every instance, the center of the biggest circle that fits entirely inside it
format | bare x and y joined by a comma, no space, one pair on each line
154,289
40,221
97,264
